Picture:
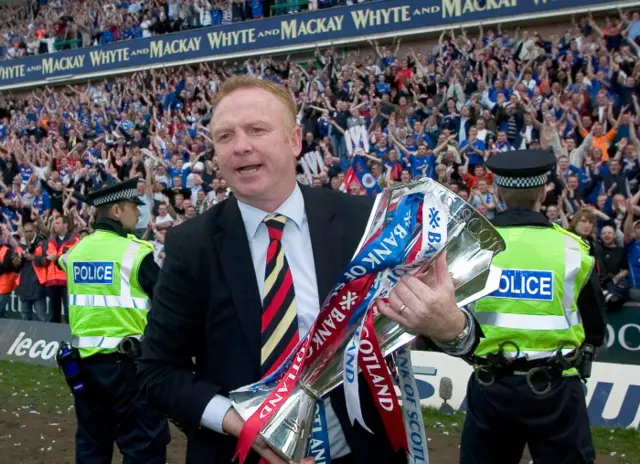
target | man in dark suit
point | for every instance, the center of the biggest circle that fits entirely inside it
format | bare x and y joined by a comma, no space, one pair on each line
225,280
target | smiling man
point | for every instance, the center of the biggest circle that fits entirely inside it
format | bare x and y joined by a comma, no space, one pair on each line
243,283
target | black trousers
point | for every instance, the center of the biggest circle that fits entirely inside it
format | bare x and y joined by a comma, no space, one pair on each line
504,417
59,298
112,410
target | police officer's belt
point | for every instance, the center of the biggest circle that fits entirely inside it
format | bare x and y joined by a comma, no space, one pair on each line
539,372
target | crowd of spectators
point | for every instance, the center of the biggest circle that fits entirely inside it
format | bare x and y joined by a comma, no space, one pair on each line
437,111
35,27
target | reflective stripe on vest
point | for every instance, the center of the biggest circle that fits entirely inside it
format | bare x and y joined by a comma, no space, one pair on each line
526,321
99,342
572,263
101,301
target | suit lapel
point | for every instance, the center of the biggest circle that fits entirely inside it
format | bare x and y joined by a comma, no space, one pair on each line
233,248
326,240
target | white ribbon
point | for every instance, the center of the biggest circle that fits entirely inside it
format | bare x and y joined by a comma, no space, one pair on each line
418,450
434,223
350,378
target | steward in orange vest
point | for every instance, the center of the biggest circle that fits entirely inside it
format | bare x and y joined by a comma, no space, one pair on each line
58,244
51,249
7,277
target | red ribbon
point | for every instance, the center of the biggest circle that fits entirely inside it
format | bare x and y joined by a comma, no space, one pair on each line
375,371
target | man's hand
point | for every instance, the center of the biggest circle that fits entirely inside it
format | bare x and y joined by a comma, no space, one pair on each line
426,305
51,257
232,424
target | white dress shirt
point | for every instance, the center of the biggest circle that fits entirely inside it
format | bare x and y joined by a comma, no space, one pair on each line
296,243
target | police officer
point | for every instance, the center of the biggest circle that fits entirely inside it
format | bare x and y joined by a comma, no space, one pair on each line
110,276
540,330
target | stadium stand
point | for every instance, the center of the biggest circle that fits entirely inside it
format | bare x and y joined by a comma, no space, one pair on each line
437,111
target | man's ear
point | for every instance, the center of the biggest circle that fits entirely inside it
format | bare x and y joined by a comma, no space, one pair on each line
296,140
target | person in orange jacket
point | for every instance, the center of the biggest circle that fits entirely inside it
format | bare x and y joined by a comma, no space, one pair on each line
7,276
60,241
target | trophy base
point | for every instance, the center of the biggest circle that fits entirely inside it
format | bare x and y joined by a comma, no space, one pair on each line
288,431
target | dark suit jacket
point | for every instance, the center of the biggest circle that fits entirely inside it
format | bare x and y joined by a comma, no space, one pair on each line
207,306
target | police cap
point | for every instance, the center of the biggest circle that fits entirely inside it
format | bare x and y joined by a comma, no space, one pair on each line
123,191
522,169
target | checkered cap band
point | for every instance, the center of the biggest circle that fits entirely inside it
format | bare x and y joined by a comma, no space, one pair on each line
122,195
522,182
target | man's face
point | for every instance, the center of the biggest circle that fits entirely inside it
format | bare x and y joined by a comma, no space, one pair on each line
256,145
29,232
128,214
59,226
354,189
614,167
608,235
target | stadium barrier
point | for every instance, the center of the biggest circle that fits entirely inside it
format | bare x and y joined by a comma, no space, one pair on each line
282,34
613,392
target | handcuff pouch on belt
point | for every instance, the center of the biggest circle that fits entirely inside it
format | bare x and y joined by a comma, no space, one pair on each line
537,372
130,348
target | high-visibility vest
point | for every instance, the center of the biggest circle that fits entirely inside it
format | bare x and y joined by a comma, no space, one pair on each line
106,302
543,271
8,279
55,274
41,272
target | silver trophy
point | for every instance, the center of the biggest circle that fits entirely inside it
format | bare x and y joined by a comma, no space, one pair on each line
471,245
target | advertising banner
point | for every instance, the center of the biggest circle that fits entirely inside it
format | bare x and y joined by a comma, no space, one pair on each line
290,32
612,392
32,342
623,336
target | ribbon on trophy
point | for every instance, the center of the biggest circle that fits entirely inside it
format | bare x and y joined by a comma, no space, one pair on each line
418,451
363,350
381,252
319,442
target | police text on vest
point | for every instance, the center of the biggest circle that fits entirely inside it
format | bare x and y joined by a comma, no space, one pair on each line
94,272
525,284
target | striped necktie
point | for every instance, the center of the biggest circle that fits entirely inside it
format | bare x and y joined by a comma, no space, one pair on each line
279,316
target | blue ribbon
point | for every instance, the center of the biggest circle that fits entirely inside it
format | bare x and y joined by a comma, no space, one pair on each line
319,442
388,249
